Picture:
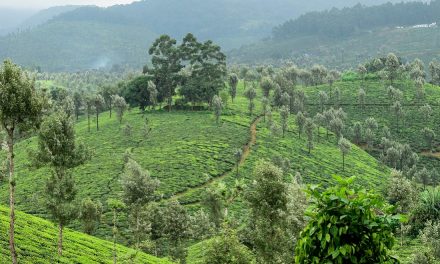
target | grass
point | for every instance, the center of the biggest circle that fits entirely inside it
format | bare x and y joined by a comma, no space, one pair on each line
36,243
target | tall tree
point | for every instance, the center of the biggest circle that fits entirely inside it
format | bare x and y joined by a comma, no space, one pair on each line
267,85
90,214
357,132
153,94
362,71
233,82
89,100
344,147
116,206
120,105
176,229
107,92
139,189
251,94
268,201
98,102
57,147
300,122
21,107
78,100
392,65
166,60
218,107
208,68
309,127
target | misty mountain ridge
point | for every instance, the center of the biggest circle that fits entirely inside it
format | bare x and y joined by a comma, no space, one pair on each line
88,36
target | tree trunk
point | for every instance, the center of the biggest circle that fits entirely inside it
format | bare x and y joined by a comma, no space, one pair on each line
114,237
88,120
60,239
11,197
97,120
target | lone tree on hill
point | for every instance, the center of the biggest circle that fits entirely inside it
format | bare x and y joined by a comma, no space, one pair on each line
120,105
58,149
250,94
21,107
392,65
233,82
218,106
344,147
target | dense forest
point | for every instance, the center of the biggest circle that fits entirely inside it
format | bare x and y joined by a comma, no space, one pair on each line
337,23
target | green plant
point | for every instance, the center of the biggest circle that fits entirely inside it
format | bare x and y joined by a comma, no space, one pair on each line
346,226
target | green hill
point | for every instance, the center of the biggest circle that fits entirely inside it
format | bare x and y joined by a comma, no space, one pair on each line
187,152
36,242
345,37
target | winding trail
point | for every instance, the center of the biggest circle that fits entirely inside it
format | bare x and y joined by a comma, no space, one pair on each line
246,151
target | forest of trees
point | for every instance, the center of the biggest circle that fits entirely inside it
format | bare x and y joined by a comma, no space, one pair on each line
337,23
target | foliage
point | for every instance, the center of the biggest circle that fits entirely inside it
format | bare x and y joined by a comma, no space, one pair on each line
226,248
345,226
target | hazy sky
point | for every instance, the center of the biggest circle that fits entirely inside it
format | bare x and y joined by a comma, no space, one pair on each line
39,4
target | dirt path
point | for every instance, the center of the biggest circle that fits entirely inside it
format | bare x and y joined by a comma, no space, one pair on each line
246,151
431,154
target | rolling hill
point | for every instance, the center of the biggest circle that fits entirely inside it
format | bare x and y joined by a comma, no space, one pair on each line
36,241
205,154
344,38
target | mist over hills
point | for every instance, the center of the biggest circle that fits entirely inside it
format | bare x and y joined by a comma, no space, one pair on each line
90,37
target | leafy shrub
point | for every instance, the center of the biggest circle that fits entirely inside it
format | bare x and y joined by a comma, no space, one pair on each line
346,226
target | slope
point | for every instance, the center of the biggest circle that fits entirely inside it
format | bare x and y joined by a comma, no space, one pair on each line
36,242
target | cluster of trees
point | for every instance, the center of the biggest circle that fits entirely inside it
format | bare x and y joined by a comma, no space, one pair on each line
345,22
194,70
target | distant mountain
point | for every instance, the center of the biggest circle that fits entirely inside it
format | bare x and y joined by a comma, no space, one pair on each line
345,37
45,15
90,37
